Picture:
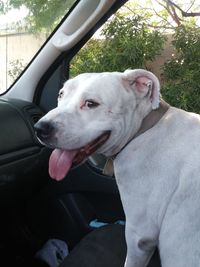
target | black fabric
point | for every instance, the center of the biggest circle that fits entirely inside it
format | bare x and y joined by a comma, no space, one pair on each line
103,247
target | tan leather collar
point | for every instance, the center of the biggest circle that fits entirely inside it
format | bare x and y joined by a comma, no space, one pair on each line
149,121
153,117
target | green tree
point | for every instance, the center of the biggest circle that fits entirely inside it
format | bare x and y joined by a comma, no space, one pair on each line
181,74
40,12
126,42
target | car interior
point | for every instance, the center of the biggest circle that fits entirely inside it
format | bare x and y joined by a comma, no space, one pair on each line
34,208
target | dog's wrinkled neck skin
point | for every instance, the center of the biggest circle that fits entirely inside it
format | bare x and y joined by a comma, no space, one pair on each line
148,122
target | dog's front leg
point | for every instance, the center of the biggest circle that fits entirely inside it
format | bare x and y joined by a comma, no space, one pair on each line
139,250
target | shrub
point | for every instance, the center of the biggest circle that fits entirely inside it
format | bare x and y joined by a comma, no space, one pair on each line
181,74
126,42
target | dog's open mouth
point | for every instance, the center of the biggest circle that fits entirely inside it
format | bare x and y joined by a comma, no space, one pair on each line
61,161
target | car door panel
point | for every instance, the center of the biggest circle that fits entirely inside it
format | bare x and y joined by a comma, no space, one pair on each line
21,155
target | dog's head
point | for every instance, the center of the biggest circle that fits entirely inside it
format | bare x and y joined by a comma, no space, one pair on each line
96,112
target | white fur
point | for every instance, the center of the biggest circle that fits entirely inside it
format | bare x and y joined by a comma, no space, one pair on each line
158,173
160,191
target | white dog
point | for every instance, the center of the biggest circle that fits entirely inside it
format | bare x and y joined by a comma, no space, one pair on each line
156,151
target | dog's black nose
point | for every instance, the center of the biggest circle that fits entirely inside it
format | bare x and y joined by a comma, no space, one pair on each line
44,129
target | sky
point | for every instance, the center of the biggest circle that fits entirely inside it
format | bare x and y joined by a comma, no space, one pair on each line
12,16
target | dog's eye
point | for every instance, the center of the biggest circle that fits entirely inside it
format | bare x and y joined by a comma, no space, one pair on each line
91,104
60,95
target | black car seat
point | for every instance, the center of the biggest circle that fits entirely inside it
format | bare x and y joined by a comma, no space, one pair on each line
103,247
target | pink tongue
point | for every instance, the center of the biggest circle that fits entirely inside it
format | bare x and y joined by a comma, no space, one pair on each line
60,163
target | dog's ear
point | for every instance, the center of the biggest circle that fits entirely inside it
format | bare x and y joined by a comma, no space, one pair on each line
145,84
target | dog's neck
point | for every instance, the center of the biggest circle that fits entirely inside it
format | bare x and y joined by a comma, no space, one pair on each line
152,118
148,122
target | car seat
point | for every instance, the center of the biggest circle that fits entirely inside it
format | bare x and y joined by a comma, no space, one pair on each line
103,247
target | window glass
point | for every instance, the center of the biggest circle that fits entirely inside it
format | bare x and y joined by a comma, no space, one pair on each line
24,27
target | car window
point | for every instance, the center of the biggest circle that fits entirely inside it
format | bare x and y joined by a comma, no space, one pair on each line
24,27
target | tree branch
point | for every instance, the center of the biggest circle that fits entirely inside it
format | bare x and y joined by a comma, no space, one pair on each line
191,5
170,11
176,18
184,13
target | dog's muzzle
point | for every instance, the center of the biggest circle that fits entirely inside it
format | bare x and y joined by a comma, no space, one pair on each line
61,160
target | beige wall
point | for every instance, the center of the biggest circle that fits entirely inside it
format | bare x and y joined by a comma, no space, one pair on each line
16,46
166,54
